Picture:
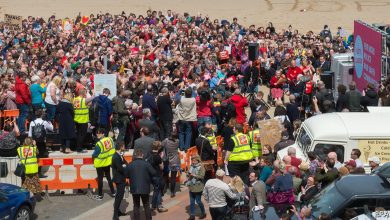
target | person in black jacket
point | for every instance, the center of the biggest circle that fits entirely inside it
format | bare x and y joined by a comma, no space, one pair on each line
342,102
164,105
119,177
369,97
205,150
140,174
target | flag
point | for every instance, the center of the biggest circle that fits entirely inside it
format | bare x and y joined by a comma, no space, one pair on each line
84,20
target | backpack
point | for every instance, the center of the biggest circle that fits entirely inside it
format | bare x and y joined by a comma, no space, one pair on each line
94,112
39,132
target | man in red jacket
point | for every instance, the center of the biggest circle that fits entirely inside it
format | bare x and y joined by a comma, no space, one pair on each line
240,102
23,100
293,72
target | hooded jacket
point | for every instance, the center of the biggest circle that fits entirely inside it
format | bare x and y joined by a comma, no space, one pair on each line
105,109
240,102
22,92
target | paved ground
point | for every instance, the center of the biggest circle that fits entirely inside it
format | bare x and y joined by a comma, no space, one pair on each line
80,207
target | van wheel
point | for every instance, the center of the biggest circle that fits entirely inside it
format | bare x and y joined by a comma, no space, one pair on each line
24,213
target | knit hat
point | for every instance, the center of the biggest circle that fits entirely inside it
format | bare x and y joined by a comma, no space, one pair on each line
374,159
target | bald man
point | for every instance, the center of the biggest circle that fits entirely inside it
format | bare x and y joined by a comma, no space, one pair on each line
333,155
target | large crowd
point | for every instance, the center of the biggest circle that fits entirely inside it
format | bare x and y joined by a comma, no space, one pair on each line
181,81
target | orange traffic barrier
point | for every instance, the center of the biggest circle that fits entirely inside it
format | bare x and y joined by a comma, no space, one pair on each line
10,113
219,151
56,183
78,183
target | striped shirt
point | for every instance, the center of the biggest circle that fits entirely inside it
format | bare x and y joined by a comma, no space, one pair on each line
215,192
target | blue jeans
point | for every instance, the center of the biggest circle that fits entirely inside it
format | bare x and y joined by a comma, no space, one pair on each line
122,126
50,111
196,197
157,188
185,134
23,113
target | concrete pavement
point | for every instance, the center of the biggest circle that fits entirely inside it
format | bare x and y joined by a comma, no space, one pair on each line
177,208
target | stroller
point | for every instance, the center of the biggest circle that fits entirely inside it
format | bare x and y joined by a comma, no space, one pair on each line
238,209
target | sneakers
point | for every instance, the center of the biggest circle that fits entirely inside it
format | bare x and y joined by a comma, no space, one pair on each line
162,209
191,217
173,195
113,195
98,198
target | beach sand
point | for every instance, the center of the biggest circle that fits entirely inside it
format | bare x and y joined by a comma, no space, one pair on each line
303,15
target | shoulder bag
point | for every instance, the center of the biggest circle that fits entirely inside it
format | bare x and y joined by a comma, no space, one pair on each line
20,170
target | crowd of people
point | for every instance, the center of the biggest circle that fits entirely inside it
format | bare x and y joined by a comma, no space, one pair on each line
181,81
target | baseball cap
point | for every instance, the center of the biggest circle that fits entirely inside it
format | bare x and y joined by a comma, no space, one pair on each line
351,163
374,159
220,173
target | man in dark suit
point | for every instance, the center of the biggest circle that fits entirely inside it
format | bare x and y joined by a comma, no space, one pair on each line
119,177
323,64
144,143
164,104
151,125
140,174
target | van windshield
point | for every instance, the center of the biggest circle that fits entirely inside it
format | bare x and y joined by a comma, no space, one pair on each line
327,201
304,140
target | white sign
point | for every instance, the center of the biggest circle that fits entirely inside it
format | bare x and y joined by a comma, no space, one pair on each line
102,81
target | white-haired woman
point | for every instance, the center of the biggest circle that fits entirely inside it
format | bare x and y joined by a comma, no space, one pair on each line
37,92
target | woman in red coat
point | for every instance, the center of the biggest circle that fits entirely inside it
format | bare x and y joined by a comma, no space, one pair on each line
239,102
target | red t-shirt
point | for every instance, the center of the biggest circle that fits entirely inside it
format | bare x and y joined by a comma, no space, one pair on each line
293,72
203,108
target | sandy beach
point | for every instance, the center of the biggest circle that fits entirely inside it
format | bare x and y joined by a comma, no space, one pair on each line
303,15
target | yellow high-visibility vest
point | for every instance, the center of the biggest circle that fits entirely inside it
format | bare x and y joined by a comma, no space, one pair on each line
107,150
29,158
81,111
213,141
254,137
242,149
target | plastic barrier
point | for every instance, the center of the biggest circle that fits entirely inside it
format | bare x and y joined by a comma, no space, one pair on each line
219,151
7,168
8,114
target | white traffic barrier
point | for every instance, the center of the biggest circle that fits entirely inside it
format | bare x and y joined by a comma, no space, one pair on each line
7,168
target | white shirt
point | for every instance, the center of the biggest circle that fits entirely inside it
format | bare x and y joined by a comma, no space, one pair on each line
359,163
48,126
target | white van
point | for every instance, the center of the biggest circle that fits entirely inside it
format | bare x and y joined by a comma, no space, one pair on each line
342,132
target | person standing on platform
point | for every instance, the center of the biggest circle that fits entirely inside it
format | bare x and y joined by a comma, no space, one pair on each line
81,117
37,131
102,159
119,177
239,154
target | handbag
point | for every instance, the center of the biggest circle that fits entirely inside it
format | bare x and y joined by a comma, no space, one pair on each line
286,197
207,164
20,170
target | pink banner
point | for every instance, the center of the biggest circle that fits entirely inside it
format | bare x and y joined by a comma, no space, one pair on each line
367,55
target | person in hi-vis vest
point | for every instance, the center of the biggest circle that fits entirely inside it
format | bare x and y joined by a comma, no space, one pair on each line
28,156
81,117
239,154
102,159
254,137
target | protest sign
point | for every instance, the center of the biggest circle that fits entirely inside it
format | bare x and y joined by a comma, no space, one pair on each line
102,81
14,22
